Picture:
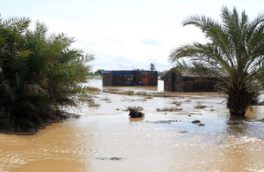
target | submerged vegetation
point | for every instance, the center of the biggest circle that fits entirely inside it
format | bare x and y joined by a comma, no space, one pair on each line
234,54
200,106
135,112
39,75
169,109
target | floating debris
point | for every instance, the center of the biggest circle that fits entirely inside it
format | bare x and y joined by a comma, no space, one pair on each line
89,100
110,158
106,99
196,121
169,109
183,131
176,103
200,106
135,112
188,100
164,121
148,98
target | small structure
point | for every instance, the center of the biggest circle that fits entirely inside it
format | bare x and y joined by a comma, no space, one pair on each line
188,82
130,78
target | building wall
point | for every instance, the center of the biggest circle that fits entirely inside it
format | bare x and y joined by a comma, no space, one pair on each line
199,84
148,78
123,78
174,81
107,78
130,78
168,81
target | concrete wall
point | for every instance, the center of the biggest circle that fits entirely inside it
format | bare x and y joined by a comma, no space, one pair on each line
174,81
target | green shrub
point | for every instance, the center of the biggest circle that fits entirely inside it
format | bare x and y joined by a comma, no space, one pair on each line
39,74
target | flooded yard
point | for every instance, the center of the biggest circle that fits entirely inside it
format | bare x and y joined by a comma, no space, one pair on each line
186,132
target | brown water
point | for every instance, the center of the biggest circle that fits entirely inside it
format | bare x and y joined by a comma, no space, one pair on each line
105,139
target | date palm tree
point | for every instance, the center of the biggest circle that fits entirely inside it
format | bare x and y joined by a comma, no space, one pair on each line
234,53
39,74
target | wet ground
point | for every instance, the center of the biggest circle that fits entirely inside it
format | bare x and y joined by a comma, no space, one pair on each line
168,139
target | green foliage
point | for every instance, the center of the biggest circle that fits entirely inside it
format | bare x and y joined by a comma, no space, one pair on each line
234,53
39,74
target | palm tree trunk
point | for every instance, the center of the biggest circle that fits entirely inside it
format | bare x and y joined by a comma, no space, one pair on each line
238,102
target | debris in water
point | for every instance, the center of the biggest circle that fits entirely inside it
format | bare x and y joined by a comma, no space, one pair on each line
199,106
116,158
176,103
196,121
135,112
183,131
110,158
106,100
163,121
169,109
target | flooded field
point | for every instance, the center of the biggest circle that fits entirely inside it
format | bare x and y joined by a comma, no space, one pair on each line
183,133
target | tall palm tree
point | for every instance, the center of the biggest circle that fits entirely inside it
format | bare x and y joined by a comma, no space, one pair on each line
234,53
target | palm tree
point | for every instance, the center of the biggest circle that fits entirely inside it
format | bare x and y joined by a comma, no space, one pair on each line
39,74
234,54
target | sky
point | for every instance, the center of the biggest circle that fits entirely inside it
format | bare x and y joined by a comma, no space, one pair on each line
125,34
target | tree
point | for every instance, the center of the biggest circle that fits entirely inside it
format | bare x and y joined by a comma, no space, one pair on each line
234,54
152,67
39,75
98,72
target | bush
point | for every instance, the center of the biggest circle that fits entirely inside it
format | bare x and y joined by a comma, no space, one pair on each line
135,112
39,74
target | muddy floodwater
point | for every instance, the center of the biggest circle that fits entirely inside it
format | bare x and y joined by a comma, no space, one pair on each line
184,133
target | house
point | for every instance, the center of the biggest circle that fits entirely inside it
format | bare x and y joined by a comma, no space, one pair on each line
130,78
185,81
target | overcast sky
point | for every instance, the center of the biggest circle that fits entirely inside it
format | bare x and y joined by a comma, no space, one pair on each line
125,34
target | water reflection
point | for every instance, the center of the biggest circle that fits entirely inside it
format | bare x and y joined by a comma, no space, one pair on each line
136,119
